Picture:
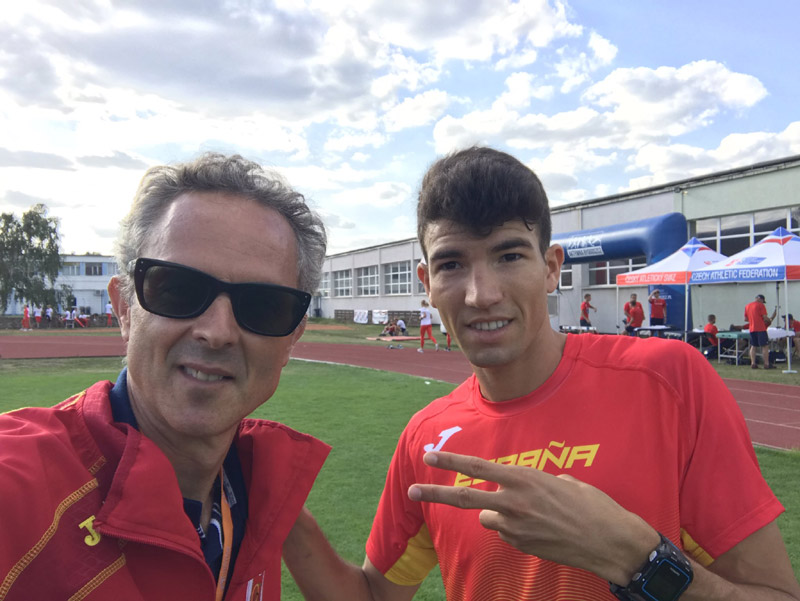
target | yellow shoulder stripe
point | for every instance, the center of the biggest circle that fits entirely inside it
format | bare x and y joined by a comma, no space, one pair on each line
414,564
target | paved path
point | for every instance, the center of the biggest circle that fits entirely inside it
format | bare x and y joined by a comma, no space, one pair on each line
772,411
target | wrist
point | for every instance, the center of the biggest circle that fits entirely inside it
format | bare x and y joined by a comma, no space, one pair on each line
663,576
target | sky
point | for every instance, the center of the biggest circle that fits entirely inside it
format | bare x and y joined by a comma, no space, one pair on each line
351,100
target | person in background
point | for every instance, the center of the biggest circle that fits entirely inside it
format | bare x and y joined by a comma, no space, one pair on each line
794,327
159,487
26,318
425,327
390,329
443,329
49,316
566,467
37,316
109,314
585,306
658,308
634,315
755,314
401,326
711,331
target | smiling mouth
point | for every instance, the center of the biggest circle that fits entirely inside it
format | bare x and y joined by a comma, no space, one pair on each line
203,376
489,326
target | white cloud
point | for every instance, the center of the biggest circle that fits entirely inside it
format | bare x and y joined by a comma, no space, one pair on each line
669,102
681,161
576,68
344,141
420,110
603,50
381,195
517,61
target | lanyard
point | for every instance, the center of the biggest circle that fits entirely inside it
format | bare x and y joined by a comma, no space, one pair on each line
227,538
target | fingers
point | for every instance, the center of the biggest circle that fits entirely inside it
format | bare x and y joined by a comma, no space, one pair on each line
472,466
462,497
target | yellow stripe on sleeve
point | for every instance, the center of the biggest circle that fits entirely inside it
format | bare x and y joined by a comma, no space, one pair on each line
414,564
694,550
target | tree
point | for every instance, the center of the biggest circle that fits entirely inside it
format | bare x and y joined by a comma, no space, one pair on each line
30,258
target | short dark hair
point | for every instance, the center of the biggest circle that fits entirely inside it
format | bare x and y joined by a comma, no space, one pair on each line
761,297
482,188
711,316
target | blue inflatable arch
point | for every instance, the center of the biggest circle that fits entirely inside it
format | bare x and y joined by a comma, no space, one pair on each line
656,238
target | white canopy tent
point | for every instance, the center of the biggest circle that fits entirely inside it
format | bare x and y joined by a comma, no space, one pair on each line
776,258
675,269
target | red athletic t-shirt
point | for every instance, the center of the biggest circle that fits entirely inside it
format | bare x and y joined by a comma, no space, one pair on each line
754,314
658,308
585,310
676,452
711,333
636,313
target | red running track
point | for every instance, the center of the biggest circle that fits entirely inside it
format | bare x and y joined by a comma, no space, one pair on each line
772,411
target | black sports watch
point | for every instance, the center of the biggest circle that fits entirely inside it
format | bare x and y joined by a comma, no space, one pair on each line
663,577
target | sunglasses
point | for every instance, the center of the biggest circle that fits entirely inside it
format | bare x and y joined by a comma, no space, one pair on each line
173,290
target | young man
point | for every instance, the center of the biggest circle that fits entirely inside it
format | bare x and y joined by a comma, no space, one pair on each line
543,476
585,306
755,314
658,308
634,315
158,487
711,331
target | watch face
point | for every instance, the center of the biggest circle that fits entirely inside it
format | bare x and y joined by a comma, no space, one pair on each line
666,583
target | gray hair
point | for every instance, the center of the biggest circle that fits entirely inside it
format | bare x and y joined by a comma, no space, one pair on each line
213,172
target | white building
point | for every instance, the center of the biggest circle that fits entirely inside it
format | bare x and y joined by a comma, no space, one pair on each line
88,277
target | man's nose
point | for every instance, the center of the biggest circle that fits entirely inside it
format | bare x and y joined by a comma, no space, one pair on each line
217,325
482,287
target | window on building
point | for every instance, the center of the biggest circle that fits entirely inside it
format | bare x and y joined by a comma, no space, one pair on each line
368,281
566,277
766,222
397,277
707,231
342,283
734,233
604,273
794,220
111,269
71,269
325,284
94,269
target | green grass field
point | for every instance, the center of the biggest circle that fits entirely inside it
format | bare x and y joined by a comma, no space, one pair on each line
360,412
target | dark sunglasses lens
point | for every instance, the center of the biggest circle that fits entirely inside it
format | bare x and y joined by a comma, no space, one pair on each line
270,311
174,292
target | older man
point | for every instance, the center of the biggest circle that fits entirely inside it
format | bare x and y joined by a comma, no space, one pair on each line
158,487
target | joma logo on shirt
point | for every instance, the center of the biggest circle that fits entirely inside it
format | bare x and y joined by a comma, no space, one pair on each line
563,457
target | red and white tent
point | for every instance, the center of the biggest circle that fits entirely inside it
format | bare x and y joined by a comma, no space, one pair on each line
775,258
675,269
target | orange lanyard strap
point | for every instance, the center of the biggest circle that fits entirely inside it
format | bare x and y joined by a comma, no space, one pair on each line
227,538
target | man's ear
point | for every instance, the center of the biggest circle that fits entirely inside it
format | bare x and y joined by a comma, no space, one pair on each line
121,307
424,276
553,258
